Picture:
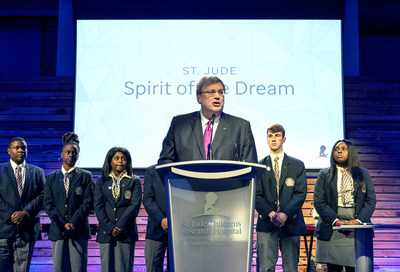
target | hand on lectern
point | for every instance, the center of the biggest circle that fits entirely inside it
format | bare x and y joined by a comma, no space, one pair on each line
350,222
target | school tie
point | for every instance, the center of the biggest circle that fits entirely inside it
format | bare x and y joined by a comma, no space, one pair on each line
116,185
115,189
346,188
207,138
66,182
276,172
18,178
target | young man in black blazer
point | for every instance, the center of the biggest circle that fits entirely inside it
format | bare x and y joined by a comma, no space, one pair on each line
21,199
281,192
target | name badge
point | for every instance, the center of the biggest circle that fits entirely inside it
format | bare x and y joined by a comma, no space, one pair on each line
364,188
289,182
128,194
79,190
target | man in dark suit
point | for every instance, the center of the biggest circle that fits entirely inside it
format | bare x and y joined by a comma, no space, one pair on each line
231,137
157,224
281,192
21,199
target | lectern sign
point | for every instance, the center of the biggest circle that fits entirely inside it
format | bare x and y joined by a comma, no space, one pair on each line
211,222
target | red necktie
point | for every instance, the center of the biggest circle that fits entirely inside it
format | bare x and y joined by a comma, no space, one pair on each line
207,138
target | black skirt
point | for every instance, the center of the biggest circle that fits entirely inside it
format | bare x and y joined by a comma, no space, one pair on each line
340,249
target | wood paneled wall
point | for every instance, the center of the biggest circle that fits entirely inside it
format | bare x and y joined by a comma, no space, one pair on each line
41,111
372,111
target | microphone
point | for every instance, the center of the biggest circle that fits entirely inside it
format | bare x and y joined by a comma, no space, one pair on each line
210,153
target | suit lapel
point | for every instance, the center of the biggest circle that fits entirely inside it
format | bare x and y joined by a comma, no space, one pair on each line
72,183
271,176
108,190
356,190
59,181
284,171
198,133
270,171
125,185
334,186
28,179
11,178
223,127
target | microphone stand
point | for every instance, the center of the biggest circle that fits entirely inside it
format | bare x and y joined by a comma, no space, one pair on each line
209,145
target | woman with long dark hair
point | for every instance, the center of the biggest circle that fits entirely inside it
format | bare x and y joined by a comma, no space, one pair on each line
68,199
343,195
117,197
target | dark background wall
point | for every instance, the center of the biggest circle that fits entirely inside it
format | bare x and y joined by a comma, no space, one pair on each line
31,27
37,81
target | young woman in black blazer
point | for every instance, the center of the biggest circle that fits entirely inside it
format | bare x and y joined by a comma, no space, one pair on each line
117,198
68,199
343,195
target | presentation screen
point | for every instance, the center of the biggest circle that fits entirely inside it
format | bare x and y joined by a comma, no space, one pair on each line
133,76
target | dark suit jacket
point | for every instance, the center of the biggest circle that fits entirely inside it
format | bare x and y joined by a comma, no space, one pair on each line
233,140
30,201
121,214
292,194
326,202
74,209
155,204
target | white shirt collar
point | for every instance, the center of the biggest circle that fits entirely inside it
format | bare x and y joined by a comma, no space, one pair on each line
204,119
69,171
341,168
280,156
14,165
121,177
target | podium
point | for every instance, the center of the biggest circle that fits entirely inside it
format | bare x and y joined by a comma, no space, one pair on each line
210,209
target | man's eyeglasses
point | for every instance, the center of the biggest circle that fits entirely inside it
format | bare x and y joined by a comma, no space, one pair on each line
214,92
